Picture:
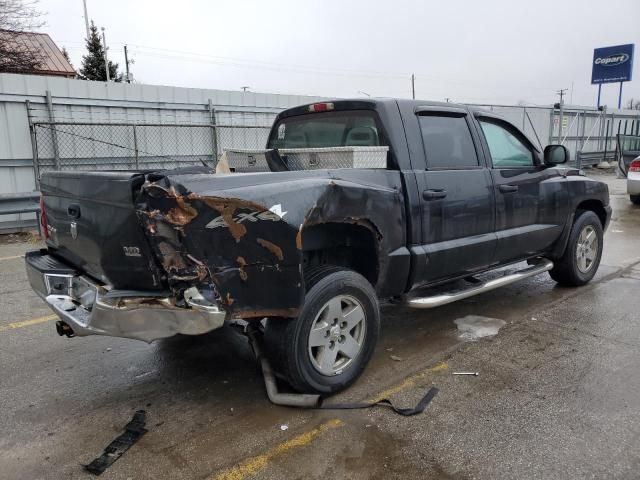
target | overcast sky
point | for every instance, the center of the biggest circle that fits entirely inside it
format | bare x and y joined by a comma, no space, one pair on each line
494,51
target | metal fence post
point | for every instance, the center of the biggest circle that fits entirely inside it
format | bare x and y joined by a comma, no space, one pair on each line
135,144
534,129
214,133
551,115
34,146
581,141
54,133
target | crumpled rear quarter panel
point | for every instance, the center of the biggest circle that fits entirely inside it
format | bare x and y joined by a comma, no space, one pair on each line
242,233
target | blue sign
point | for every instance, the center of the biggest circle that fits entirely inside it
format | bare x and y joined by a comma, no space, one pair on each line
612,64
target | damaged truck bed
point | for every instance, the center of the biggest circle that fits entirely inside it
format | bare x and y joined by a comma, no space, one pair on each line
243,245
447,192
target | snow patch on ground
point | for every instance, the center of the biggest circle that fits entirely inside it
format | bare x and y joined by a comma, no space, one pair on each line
473,327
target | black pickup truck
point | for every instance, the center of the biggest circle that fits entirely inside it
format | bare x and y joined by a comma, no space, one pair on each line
457,192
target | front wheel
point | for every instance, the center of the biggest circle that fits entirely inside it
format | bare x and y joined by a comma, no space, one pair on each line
581,258
329,345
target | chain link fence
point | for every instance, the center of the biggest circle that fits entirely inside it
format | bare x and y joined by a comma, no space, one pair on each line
589,135
126,146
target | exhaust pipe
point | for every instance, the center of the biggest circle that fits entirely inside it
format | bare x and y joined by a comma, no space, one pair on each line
64,330
277,398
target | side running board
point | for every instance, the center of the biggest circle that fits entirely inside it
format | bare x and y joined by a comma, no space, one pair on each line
543,265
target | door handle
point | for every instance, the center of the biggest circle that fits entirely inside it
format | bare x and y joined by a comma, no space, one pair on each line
508,188
434,194
73,210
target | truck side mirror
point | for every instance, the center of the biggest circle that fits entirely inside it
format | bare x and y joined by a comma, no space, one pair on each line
555,155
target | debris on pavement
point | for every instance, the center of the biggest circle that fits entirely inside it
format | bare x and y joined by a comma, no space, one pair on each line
133,431
473,327
284,427
396,358
475,374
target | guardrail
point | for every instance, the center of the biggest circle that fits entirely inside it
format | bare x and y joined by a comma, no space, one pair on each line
19,203
15,203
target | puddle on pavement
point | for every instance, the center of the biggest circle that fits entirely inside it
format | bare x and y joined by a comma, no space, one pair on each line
473,327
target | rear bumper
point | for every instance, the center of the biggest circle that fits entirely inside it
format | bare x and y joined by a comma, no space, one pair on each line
91,309
633,183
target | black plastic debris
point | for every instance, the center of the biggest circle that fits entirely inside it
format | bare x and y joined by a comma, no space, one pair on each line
132,433
405,412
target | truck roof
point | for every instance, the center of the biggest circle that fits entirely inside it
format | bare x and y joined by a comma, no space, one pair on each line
390,103
382,101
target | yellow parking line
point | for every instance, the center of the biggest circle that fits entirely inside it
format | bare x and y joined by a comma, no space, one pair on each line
253,465
26,323
13,257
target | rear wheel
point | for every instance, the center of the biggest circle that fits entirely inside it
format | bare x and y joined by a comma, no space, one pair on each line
635,199
328,346
581,258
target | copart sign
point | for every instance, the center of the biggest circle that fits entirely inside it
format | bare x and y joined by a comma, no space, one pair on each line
612,64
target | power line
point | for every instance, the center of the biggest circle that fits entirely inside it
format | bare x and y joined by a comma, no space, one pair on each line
196,57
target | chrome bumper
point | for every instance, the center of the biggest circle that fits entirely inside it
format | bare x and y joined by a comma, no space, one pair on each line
633,183
91,309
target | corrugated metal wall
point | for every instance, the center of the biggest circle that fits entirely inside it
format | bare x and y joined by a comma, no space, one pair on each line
22,96
50,99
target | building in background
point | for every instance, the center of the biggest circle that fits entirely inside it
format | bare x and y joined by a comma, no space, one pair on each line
51,60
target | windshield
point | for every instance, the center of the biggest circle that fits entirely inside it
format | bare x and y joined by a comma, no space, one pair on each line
352,128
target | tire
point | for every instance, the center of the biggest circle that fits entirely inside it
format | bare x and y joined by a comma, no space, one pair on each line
635,199
580,260
289,342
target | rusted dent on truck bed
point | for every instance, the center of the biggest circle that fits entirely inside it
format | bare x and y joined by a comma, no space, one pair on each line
243,241
181,214
272,247
241,264
236,251
317,216
229,299
280,312
227,209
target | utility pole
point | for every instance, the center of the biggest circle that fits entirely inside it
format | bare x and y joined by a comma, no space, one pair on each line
571,96
86,17
561,93
561,104
126,62
413,86
244,89
106,60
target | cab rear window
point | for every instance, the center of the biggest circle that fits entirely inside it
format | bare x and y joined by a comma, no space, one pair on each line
351,128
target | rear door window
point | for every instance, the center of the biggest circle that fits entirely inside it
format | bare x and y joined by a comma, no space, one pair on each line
447,142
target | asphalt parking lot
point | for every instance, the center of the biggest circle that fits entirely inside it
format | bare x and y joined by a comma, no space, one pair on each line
557,396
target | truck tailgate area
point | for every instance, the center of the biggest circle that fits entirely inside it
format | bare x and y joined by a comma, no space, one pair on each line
93,224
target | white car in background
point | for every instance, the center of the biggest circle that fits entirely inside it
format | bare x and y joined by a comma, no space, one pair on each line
633,181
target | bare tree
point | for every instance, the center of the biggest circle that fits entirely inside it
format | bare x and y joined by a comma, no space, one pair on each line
18,16
633,104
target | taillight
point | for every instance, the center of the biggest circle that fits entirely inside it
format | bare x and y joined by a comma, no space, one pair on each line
43,218
320,107
635,166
